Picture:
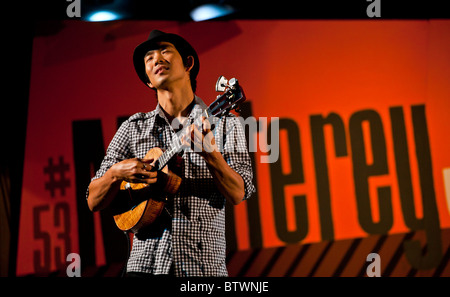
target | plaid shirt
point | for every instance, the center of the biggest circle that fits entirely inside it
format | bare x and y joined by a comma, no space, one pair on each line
190,236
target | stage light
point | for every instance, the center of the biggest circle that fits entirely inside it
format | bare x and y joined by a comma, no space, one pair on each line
103,16
210,11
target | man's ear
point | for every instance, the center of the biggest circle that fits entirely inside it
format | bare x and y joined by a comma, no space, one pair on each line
189,63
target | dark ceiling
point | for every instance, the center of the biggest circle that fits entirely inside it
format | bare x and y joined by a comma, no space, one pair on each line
245,9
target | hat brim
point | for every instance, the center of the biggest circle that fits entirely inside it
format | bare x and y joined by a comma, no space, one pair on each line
180,44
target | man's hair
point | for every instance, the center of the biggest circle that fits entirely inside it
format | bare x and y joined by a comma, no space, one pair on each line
184,53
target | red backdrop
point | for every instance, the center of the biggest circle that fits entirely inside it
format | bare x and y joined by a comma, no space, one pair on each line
363,108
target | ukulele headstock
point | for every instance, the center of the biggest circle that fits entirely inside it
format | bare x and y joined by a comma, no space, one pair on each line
232,96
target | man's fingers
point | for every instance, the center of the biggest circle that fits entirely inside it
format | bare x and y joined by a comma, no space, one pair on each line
206,126
146,164
149,161
143,173
147,177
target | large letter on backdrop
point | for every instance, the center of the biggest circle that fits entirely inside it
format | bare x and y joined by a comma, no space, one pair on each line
320,161
282,179
363,171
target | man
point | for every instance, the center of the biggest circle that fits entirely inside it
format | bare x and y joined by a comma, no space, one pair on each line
189,238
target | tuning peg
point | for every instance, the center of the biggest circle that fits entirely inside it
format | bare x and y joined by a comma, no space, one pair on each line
221,84
232,82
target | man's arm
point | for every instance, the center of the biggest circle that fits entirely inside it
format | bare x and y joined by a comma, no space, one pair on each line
103,190
228,181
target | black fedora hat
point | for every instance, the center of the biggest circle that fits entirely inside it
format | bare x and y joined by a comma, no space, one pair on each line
183,47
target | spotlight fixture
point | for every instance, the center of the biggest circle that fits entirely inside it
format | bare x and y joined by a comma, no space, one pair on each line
103,16
211,11
105,10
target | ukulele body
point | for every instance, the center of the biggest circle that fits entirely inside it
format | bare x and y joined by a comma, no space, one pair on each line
142,203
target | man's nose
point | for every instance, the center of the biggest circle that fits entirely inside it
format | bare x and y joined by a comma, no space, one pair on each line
158,59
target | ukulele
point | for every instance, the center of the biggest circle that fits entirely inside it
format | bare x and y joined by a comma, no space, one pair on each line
140,204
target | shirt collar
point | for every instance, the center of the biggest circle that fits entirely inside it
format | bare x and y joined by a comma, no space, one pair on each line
198,107
196,110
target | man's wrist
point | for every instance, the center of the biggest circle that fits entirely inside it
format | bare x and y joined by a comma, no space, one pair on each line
213,158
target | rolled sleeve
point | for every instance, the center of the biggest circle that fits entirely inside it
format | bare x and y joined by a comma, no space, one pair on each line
236,154
116,152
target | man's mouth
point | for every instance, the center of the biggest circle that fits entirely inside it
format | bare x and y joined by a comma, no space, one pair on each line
160,69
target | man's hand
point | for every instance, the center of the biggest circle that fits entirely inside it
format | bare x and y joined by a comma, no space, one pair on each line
201,142
135,170
103,190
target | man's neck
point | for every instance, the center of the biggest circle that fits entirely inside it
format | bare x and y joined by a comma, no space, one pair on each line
176,102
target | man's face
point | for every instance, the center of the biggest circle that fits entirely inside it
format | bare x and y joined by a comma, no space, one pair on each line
164,66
